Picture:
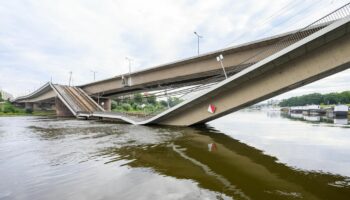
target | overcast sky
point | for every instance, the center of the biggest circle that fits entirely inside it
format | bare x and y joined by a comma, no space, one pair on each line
40,39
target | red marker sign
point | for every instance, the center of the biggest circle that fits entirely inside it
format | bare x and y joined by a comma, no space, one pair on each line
211,108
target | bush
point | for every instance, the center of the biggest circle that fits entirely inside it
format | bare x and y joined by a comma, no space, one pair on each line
8,108
160,107
126,106
138,98
151,99
28,110
134,106
118,108
149,108
114,105
138,107
164,103
173,101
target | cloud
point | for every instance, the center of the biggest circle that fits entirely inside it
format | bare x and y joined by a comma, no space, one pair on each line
43,39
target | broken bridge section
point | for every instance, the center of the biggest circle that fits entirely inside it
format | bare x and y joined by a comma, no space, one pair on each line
76,100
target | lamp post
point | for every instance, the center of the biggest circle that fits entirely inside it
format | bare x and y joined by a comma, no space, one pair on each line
129,60
70,77
219,59
94,72
198,37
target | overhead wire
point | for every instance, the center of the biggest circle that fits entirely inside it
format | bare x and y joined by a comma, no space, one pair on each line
291,5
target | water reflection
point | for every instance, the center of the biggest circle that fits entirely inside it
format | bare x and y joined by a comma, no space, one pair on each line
312,118
341,121
234,169
317,118
71,159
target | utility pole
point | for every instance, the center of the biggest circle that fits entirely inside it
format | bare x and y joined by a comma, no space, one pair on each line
198,37
129,60
94,72
70,77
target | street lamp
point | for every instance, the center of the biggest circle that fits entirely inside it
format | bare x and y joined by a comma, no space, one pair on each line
129,60
70,77
94,72
198,36
219,59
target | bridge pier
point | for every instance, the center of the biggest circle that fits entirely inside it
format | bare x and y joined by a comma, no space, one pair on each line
36,106
28,105
61,109
105,103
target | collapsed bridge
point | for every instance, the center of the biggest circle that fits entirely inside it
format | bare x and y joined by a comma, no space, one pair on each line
256,71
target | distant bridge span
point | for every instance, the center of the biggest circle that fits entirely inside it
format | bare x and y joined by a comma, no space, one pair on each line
258,71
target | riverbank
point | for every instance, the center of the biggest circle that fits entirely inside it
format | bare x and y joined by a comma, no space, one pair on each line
34,113
8,110
319,110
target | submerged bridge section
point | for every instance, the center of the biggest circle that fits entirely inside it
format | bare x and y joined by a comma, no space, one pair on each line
256,71
66,100
76,100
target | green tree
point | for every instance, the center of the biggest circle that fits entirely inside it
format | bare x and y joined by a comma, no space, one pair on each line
1,96
8,108
138,98
152,99
114,105
163,103
316,98
174,101
126,106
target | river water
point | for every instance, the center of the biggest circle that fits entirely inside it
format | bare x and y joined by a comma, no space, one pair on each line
245,155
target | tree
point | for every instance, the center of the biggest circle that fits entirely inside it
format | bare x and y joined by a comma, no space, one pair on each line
151,99
174,101
8,108
114,105
316,98
126,106
163,103
138,98
1,96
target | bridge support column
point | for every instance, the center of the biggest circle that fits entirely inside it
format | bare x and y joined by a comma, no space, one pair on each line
106,103
28,105
61,109
36,106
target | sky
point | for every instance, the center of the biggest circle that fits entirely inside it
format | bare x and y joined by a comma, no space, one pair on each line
43,40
